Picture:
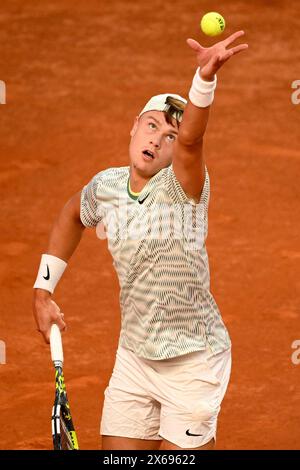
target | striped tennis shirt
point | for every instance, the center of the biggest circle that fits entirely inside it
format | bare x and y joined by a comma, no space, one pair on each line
157,242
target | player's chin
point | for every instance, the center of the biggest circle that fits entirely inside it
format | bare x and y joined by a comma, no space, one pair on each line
144,169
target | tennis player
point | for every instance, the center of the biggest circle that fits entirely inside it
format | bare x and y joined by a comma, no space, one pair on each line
174,355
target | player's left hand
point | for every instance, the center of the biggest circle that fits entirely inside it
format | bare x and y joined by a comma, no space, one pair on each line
210,59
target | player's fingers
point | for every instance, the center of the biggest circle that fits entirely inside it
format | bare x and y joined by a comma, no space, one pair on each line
215,62
224,57
194,44
55,305
58,314
44,326
46,335
239,48
233,37
61,323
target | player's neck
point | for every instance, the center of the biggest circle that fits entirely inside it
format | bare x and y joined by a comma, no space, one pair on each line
137,181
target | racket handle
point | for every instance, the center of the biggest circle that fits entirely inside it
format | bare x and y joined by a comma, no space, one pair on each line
57,354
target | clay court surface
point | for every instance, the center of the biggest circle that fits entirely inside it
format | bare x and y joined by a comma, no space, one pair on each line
77,73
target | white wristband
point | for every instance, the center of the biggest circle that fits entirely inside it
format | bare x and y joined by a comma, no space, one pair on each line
202,93
50,271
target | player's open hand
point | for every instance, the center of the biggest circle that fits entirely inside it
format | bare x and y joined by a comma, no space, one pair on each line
210,59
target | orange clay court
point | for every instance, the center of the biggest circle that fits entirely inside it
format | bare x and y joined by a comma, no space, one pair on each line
76,75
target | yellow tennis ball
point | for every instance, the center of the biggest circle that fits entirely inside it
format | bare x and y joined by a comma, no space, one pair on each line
212,24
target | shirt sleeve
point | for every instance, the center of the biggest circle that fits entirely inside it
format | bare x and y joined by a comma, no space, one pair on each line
90,206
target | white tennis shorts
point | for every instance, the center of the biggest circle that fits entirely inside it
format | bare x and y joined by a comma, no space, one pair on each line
177,399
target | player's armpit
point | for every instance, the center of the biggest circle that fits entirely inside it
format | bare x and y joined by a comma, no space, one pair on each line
189,168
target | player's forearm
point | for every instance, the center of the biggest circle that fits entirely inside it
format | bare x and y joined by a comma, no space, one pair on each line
193,125
64,238
65,234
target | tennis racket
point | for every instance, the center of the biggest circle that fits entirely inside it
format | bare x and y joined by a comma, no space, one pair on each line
63,432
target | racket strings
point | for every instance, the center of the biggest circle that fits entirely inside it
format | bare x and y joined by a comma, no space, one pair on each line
66,441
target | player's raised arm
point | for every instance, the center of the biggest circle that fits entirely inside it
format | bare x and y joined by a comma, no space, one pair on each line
188,161
64,238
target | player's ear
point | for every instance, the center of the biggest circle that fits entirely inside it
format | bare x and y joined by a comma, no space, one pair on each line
135,126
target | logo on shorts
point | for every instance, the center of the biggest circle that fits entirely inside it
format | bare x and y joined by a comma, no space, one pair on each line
48,274
188,433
